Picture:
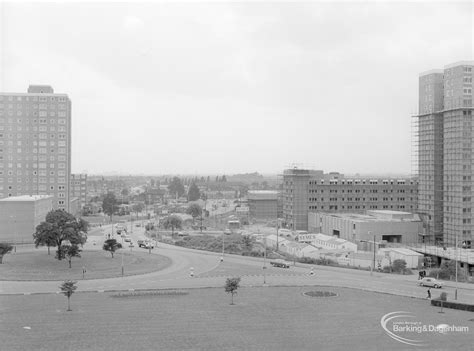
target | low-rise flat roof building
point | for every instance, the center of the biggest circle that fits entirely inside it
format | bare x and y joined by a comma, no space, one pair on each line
19,216
385,225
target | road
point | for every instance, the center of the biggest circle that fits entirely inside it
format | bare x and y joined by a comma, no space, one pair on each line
208,271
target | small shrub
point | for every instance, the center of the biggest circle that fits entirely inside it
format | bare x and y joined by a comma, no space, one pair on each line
443,296
434,273
399,266
387,269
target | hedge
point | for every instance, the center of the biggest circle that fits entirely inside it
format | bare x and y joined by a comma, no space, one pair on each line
453,305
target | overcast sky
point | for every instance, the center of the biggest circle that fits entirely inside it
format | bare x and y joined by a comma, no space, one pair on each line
234,87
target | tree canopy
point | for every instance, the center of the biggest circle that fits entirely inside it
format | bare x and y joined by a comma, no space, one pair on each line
109,204
195,210
4,249
68,287
61,226
193,192
70,251
173,222
111,245
176,187
231,286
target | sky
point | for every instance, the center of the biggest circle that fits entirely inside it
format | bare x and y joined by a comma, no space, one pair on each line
224,88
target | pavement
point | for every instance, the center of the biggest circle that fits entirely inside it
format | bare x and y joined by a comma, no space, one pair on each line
201,269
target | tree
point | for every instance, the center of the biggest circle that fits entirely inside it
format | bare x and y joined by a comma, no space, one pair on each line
173,222
399,266
195,210
109,205
124,192
70,251
193,192
68,287
111,245
60,226
46,235
4,249
231,286
138,207
248,242
176,187
224,179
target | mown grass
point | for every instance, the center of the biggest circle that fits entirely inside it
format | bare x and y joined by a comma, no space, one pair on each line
279,318
38,265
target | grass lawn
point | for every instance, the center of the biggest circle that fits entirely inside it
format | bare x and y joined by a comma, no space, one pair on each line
270,318
38,265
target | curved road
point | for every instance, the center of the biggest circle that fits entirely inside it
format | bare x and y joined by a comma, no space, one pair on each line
208,271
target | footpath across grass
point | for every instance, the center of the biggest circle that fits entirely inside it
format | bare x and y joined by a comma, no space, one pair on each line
265,318
38,265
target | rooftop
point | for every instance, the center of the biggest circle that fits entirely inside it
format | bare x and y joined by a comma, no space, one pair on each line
25,198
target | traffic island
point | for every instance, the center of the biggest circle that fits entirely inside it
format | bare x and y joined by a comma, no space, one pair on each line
318,293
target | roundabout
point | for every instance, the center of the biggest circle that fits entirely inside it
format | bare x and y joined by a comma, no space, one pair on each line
37,265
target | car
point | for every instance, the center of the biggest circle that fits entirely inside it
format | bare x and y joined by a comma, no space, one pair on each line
183,234
141,243
127,239
431,282
149,246
227,232
280,263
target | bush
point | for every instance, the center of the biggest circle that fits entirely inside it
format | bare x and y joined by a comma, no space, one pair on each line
434,273
387,269
443,296
399,266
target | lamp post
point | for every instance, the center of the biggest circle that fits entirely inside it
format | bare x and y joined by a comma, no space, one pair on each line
278,227
456,256
122,257
222,258
264,259
14,232
372,268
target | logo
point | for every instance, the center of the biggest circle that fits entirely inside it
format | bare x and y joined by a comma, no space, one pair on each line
396,327
400,323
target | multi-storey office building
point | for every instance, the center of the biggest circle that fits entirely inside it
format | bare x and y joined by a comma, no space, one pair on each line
263,204
445,153
79,188
307,191
35,144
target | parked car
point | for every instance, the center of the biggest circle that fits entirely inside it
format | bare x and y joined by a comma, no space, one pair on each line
280,263
127,239
141,243
431,282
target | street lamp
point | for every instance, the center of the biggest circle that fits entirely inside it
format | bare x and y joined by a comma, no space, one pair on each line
14,232
264,259
122,257
456,256
223,234
373,263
